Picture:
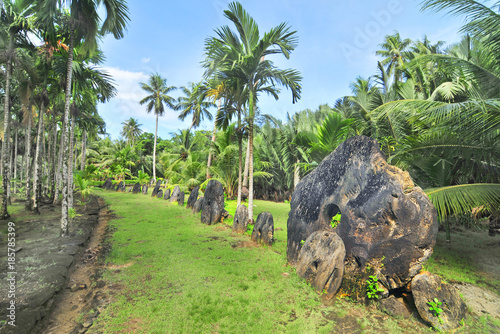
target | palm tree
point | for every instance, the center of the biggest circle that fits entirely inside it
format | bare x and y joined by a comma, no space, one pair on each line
17,17
242,55
395,52
216,92
83,23
131,130
157,87
194,102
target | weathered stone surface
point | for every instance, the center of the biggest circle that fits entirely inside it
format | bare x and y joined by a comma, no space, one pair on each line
425,287
180,198
263,230
198,205
244,193
206,214
158,183
45,271
393,307
167,194
213,204
159,194
386,221
156,189
144,189
107,184
321,261
120,186
192,197
175,194
240,221
137,188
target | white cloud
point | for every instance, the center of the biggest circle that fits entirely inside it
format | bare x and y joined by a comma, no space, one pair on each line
127,83
126,104
145,60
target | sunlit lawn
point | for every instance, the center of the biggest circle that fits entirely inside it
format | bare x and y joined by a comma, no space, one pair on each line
175,275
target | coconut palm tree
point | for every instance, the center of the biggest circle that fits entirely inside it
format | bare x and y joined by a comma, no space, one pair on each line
131,130
195,102
157,100
395,52
242,55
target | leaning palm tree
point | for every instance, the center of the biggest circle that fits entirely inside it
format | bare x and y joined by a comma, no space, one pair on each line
131,130
242,55
158,98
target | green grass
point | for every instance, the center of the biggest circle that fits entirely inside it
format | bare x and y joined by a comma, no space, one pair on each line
172,274
186,277
280,218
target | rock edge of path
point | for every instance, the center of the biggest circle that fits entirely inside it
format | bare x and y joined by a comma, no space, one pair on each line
43,263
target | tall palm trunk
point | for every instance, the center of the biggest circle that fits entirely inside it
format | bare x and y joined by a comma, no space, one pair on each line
15,158
240,157
154,151
52,147
209,162
6,122
37,184
247,161
44,161
65,135
47,161
84,149
21,168
296,174
52,175
251,116
70,169
59,163
28,162
9,174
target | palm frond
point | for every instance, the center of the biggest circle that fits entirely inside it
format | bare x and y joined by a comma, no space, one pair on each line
463,198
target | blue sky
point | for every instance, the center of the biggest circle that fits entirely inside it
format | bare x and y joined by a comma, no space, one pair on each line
337,43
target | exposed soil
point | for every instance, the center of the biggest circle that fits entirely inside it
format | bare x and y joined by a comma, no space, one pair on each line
86,293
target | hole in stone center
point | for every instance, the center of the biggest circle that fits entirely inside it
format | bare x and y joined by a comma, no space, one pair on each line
332,214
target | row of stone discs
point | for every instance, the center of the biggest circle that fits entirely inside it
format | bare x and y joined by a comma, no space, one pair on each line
177,194
212,207
388,228
263,230
193,197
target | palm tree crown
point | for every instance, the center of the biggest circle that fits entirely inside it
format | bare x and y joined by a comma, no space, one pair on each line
131,130
158,98
195,102
241,56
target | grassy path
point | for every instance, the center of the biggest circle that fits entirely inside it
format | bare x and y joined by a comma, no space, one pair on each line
172,274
